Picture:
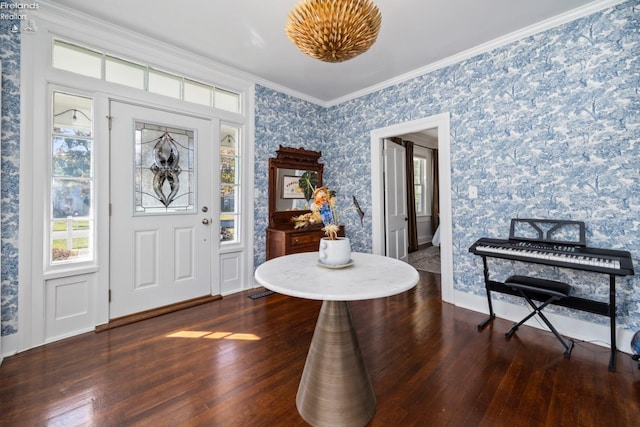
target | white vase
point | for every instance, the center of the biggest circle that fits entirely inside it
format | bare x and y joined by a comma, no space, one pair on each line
335,252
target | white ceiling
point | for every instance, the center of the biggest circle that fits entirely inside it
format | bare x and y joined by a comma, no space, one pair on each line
248,35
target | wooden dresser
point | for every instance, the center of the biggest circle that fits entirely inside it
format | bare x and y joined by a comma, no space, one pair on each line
286,200
289,241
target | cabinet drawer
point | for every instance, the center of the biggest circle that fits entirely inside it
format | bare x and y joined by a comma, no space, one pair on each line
288,241
307,247
303,239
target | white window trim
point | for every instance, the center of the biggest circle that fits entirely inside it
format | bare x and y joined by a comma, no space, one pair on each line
237,243
72,265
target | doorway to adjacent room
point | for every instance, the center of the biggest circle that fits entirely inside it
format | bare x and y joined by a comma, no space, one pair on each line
379,232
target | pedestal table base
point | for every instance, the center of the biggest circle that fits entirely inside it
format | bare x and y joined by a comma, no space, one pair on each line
335,389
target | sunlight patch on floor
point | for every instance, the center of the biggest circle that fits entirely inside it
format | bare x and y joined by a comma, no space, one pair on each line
214,335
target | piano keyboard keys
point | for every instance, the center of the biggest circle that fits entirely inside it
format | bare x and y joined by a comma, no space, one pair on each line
551,256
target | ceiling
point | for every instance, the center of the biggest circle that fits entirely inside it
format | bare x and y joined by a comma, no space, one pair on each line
248,35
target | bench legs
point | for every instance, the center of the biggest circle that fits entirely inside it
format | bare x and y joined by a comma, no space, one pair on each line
567,344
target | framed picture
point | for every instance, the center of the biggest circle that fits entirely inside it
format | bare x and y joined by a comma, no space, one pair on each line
291,187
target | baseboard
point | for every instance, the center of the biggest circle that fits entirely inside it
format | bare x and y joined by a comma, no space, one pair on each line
9,346
148,314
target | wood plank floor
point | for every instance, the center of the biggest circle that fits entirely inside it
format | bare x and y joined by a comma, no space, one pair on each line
237,362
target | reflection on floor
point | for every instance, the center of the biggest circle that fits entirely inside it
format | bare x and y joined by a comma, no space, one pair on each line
427,258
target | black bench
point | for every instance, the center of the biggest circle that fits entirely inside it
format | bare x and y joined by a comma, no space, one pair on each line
528,287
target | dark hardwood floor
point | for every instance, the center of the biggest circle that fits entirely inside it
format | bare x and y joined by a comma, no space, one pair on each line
237,362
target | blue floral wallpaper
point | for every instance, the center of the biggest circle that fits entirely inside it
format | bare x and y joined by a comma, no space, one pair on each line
10,144
548,127
280,120
545,127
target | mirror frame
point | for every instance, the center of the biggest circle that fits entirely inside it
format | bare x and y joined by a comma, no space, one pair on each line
290,158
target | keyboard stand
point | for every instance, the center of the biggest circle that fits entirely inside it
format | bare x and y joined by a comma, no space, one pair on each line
577,303
487,282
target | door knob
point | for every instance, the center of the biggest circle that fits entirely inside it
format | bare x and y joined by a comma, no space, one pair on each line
205,221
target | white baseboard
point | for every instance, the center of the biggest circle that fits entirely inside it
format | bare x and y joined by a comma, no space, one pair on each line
235,291
424,239
578,329
9,346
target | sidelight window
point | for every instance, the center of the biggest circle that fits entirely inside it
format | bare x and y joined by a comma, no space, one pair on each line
71,221
230,183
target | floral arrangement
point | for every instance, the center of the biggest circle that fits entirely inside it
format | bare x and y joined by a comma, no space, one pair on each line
323,209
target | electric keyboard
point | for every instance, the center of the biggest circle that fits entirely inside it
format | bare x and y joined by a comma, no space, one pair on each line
606,261
562,244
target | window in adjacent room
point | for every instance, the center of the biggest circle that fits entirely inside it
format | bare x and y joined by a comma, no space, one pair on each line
420,185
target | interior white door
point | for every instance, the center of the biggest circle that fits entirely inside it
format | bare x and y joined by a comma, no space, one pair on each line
395,190
161,237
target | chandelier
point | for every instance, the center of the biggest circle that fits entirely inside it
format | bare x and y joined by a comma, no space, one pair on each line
333,30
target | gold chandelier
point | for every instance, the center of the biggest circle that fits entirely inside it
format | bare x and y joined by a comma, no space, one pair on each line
333,30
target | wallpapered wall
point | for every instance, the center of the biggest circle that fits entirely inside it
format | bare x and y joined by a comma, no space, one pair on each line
545,127
10,144
280,120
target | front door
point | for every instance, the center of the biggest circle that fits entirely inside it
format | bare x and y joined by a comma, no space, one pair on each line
161,208
395,193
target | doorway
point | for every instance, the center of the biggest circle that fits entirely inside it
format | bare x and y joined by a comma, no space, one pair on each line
441,123
161,238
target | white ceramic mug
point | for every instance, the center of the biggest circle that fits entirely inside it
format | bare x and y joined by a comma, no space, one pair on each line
335,252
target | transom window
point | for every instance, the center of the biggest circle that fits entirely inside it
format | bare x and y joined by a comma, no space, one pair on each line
93,63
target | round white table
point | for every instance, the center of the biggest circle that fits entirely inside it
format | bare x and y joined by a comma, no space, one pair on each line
335,388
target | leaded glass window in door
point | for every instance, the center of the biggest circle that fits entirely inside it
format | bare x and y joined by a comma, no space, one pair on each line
164,169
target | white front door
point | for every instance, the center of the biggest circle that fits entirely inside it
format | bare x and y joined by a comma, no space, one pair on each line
161,231
395,190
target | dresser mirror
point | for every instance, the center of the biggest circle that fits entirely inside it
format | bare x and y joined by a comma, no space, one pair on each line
285,196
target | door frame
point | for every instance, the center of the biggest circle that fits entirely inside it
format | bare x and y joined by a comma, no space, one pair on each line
38,77
441,122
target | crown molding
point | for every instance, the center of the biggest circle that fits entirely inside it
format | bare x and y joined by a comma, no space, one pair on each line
63,13
90,25
539,27
287,91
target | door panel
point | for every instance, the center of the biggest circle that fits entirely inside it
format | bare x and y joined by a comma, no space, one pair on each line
185,243
146,254
395,201
161,239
